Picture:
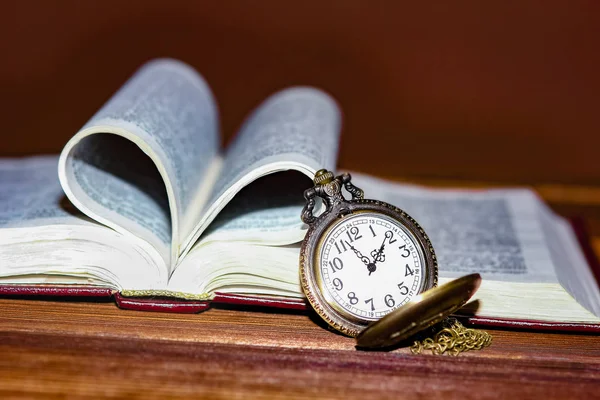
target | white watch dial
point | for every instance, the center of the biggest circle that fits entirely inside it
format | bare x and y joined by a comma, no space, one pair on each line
369,265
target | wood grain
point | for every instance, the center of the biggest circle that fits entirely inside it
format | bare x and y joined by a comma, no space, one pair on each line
52,349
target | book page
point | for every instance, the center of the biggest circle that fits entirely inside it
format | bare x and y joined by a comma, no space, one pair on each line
43,235
263,213
138,165
239,268
572,269
31,195
496,233
295,129
531,265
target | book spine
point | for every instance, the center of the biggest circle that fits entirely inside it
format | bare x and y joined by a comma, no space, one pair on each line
161,305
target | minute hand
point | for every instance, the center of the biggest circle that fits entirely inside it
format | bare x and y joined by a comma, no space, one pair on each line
378,254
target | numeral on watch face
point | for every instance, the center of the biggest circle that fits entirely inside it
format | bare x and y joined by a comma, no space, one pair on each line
338,284
389,235
352,297
370,265
403,289
405,251
388,299
336,264
351,236
372,231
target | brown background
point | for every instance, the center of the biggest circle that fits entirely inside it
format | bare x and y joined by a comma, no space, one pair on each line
496,91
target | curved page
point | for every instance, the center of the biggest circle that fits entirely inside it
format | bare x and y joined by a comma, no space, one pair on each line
138,165
294,129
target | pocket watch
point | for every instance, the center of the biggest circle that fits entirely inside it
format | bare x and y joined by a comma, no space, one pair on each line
361,259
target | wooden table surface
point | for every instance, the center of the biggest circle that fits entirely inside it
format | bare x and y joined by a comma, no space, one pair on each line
58,349
54,349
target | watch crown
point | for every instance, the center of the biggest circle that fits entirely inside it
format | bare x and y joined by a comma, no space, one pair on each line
323,176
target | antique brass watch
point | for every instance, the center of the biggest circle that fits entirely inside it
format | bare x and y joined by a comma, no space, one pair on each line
361,259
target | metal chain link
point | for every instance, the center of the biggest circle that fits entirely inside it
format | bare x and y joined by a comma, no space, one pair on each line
453,338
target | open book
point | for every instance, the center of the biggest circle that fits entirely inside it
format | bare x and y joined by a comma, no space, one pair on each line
143,201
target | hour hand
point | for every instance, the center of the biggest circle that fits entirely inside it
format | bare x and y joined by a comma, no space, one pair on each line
363,258
370,266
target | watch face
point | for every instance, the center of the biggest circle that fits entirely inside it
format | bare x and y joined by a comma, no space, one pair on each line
369,264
